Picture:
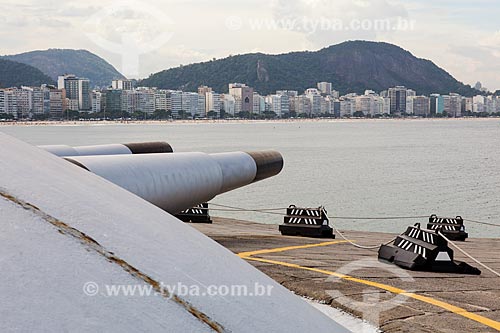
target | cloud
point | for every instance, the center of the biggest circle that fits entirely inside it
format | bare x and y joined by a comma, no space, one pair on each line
324,22
461,36
492,41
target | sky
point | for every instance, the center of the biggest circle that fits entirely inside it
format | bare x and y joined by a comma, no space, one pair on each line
141,37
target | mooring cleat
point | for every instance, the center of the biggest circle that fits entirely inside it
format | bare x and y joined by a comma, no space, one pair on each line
423,250
307,222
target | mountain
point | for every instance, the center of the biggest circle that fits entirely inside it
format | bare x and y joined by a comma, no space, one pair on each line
352,66
15,74
82,63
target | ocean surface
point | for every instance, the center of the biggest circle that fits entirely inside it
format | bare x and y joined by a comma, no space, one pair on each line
358,168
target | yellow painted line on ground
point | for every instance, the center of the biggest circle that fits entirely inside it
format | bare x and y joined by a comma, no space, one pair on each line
449,307
288,248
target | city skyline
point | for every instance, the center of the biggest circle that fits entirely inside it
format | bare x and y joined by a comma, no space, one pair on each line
122,100
470,54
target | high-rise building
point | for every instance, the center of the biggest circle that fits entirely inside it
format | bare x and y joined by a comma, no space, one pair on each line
467,105
8,101
24,100
77,90
121,84
279,104
190,103
57,100
209,101
144,100
454,103
315,100
203,90
174,98
128,100
347,106
201,109
228,104
478,104
364,104
97,101
38,96
421,106
398,99
386,105
161,101
2,101
370,103
411,93
301,105
46,98
289,93
327,105
259,104
336,108
84,95
114,101
288,103
436,104
325,88
213,104
243,96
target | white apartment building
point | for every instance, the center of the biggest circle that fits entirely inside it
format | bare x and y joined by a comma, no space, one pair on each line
190,103
161,100
201,109
96,101
9,105
121,84
279,104
57,98
228,104
453,105
128,101
421,106
145,100
175,97
315,100
213,103
325,88
347,106
365,104
8,101
24,100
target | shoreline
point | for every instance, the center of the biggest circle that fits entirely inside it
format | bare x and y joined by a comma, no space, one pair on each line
231,121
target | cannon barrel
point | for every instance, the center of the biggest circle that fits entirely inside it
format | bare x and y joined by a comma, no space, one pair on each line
175,182
110,149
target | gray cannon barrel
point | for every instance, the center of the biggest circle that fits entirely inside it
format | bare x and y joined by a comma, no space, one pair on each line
110,149
175,182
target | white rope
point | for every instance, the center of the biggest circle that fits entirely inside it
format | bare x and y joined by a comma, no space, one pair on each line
468,255
270,211
248,209
483,223
358,245
378,218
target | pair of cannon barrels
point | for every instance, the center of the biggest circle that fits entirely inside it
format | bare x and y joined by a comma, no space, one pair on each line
171,181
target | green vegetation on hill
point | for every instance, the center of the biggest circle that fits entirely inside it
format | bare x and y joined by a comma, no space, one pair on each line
82,63
15,74
352,66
